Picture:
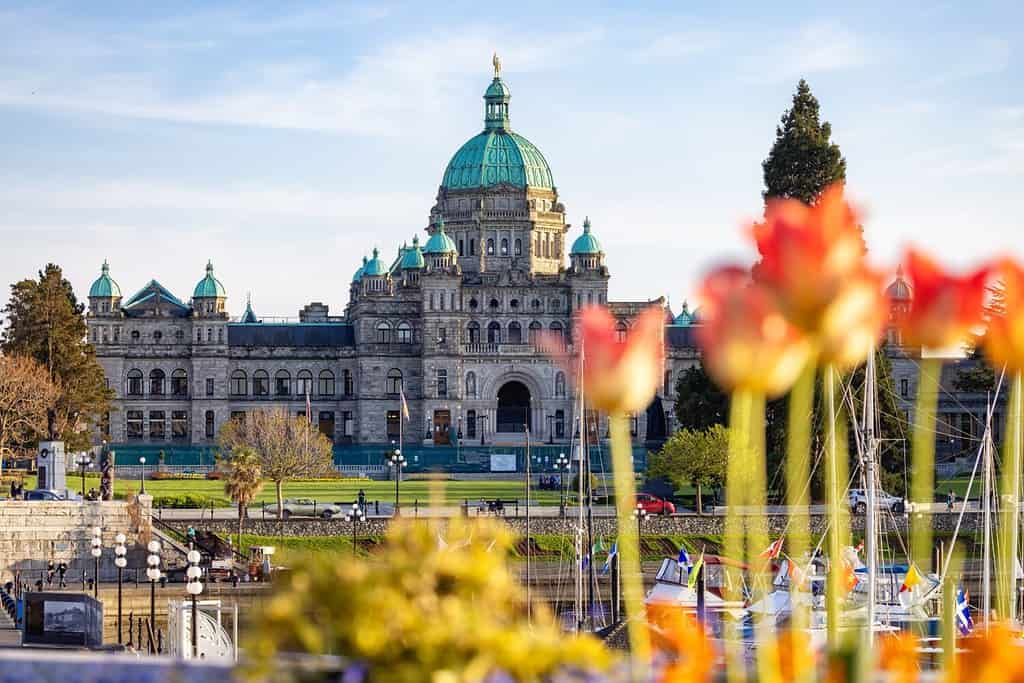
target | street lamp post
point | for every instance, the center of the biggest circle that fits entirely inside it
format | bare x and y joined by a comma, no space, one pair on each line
153,574
96,551
640,515
83,461
120,561
194,588
563,466
142,475
483,427
397,461
356,515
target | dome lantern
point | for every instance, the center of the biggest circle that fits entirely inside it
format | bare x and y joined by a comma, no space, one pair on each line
586,252
496,97
104,294
412,257
209,295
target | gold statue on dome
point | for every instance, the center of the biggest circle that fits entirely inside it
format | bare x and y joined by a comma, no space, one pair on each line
496,61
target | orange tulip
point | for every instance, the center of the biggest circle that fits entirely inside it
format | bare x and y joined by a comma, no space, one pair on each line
683,638
852,323
808,254
620,377
1004,341
994,657
944,307
790,657
746,341
898,657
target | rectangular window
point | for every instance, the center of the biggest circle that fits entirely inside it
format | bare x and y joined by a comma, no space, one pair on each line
559,424
209,386
404,334
393,427
347,424
105,426
442,384
471,424
905,388
134,426
326,384
209,424
282,386
260,382
117,334
347,378
325,422
157,426
442,335
179,424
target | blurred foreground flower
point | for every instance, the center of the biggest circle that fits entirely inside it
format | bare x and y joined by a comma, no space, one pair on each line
944,307
995,657
681,638
424,609
746,341
812,261
621,377
790,657
898,657
1004,342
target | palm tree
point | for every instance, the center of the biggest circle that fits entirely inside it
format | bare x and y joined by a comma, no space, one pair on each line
244,481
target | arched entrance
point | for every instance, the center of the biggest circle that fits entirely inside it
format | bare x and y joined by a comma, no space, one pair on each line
513,407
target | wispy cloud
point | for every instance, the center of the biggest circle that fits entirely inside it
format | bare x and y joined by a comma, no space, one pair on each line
812,48
678,45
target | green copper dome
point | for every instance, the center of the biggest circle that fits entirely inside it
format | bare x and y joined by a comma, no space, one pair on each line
105,287
412,258
440,242
497,155
586,244
249,317
685,318
359,272
374,267
209,287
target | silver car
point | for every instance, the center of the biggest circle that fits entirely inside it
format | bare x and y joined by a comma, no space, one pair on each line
306,507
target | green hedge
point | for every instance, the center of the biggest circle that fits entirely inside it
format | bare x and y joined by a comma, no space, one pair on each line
189,500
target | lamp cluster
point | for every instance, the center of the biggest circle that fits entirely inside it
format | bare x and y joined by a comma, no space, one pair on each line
120,561
153,561
97,542
194,574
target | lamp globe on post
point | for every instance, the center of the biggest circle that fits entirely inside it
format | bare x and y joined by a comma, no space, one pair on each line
142,475
354,516
194,588
640,515
153,574
397,461
120,561
562,465
96,551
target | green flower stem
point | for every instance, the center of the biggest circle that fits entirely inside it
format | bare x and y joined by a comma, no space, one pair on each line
836,470
1010,514
798,474
922,483
629,548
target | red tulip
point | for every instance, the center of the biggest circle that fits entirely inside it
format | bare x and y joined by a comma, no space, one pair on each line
621,376
1004,340
944,308
852,323
746,341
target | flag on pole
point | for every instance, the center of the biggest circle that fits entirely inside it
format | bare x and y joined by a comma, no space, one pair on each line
405,406
612,552
963,612
912,578
309,407
849,577
774,550
691,582
684,559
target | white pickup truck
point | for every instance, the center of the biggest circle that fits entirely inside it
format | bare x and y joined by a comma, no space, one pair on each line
883,501
306,507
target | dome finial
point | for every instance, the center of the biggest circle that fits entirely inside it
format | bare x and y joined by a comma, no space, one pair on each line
496,61
586,224
376,252
209,267
415,241
440,224
105,268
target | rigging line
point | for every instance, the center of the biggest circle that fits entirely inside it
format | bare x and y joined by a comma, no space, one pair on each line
942,390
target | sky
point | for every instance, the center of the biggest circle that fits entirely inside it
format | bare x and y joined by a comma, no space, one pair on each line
282,141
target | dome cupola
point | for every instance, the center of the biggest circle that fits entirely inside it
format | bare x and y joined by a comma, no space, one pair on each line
899,290
586,252
374,267
412,258
685,318
359,271
440,242
104,295
209,295
376,278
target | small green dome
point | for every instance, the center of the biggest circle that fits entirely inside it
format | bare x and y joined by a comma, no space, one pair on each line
249,317
105,287
685,318
440,242
374,267
497,90
209,287
586,244
412,258
359,272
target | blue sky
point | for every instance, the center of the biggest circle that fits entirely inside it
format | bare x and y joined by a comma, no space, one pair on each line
284,140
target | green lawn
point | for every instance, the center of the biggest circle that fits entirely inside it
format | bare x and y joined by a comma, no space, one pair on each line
336,490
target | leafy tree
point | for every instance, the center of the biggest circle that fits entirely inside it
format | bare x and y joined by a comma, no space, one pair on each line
694,457
26,395
803,161
699,401
244,481
289,447
45,322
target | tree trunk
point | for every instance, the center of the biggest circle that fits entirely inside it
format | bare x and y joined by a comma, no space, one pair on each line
279,486
239,532
700,501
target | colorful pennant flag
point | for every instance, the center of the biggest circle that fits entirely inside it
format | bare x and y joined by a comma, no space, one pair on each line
774,550
912,578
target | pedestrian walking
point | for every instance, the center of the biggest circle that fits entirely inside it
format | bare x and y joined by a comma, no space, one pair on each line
361,499
190,534
50,569
62,570
950,499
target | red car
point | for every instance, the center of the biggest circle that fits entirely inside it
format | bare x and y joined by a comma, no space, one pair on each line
654,505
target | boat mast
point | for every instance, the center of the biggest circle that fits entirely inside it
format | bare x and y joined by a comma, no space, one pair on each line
581,452
529,601
871,523
986,570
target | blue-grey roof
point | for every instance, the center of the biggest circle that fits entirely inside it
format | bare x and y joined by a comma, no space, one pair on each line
679,337
291,334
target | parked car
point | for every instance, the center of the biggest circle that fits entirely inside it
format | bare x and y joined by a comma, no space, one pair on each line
654,505
306,507
45,494
883,501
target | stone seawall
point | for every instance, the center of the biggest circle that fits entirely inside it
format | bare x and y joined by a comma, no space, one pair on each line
34,532
688,525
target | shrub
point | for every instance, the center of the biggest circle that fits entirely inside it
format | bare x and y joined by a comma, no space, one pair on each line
215,474
189,501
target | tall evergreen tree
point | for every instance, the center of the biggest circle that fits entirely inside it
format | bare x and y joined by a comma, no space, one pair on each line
46,322
699,402
803,161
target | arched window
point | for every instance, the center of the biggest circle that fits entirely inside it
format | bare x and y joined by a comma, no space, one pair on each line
134,387
560,385
494,333
490,247
304,383
383,333
621,330
535,304
494,304
135,335
239,383
326,383
260,383
394,381
504,246
179,336
473,333
179,383
470,385
404,333
282,383
156,382
518,247
557,332
515,333
209,424
157,336
534,332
